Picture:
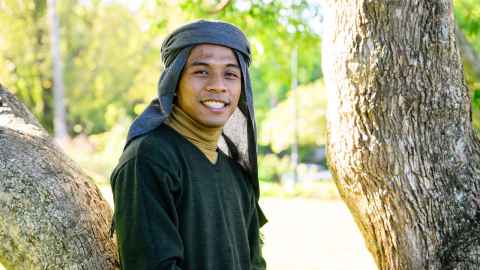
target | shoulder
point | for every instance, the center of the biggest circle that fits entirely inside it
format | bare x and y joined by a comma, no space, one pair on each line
159,147
149,161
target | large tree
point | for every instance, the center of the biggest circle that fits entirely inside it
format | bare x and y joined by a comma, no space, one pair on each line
51,215
400,140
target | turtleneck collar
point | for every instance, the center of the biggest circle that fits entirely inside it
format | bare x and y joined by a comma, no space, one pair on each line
203,137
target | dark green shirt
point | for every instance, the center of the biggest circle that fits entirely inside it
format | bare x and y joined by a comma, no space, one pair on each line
176,210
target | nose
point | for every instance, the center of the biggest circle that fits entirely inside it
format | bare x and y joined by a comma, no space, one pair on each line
216,83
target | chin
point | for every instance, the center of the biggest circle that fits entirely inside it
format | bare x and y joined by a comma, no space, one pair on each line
214,123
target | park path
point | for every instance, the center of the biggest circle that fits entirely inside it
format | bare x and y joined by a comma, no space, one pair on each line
312,234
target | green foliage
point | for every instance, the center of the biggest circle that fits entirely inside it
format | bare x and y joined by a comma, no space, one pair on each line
467,14
278,128
110,57
274,28
24,55
111,64
272,167
475,90
111,53
324,190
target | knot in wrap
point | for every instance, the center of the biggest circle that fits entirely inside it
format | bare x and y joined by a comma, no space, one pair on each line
239,133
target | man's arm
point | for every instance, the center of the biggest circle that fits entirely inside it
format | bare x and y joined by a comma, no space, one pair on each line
145,217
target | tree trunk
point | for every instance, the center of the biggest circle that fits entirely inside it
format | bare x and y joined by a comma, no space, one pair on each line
51,216
59,118
401,145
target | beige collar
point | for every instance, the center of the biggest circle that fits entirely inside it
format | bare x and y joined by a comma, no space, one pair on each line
204,138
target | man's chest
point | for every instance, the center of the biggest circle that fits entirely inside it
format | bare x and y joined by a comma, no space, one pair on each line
217,192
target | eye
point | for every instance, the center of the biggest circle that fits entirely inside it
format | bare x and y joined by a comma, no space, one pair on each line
201,72
231,75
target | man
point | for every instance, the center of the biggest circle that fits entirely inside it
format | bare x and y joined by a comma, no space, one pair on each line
180,201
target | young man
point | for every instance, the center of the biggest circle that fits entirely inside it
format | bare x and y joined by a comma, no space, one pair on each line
180,201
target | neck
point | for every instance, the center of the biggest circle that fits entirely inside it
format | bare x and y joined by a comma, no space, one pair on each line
203,137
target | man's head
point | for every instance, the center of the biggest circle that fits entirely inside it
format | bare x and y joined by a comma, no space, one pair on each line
210,84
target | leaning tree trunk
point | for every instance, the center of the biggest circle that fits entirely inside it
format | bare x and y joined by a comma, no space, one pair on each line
400,140
51,216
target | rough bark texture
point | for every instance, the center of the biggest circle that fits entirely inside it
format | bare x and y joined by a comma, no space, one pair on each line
400,140
51,216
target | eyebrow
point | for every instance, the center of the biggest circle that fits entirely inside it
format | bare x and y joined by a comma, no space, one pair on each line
200,63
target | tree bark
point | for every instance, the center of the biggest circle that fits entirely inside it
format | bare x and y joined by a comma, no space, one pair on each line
51,216
401,145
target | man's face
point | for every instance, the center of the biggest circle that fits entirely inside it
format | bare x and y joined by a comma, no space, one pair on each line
210,85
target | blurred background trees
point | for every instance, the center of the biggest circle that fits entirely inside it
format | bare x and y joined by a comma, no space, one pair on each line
111,62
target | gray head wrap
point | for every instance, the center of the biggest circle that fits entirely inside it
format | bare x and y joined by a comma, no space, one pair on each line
239,134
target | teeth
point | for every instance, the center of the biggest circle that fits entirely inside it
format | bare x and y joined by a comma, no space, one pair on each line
214,104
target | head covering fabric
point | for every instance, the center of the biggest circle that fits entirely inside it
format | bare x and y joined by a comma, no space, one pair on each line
239,133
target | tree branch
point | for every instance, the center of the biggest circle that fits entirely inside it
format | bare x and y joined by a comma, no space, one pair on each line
219,7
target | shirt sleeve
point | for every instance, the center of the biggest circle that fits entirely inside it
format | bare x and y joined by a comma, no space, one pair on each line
256,241
146,220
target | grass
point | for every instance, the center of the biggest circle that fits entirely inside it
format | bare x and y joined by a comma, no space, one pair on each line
324,190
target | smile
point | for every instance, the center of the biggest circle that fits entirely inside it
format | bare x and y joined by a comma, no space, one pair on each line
215,104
